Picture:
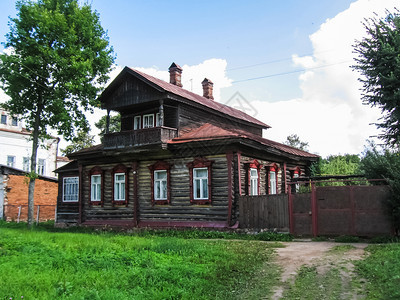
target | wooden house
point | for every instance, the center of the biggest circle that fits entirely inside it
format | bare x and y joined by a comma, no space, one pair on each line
180,159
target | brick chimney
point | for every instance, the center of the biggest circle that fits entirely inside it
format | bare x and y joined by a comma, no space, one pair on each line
208,88
175,73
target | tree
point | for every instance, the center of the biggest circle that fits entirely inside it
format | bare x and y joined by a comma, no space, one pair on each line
378,62
114,125
59,61
80,141
385,164
293,140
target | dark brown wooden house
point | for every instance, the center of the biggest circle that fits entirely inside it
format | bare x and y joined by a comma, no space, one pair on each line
181,159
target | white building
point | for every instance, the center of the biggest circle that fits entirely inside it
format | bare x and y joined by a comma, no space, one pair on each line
16,148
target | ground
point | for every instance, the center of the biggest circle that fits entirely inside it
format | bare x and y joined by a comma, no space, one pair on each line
323,256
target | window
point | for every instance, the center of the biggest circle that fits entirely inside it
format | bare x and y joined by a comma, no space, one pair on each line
26,164
14,121
137,122
148,121
120,185
70,189
4,119
200,181
158,120
253,182
95,194
272,182
273,179
96,186
160,176
11,161
41,166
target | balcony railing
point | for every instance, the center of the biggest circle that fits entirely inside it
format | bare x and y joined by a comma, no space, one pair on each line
140,137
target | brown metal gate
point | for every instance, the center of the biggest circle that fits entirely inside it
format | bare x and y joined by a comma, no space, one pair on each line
340,210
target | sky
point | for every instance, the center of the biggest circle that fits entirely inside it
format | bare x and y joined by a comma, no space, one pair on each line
286,63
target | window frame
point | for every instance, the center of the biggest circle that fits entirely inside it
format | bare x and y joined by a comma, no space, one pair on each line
249,166
197,164
137,125
26,166
120,169
144,118
96,171
160,166
63,189
254,182
14,121
12,165
273,188
41,168
3,119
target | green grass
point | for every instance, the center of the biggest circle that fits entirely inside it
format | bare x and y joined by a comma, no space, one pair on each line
382,271
38,264
341,249
310,285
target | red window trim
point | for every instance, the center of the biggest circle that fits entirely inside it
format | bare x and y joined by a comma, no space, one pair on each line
120,169
253,165
200,162
296,170
96,171
273,168
160,165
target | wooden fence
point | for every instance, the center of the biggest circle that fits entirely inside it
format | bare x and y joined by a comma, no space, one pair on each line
266,211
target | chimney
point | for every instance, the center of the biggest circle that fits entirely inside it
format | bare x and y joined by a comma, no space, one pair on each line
208,88
175,73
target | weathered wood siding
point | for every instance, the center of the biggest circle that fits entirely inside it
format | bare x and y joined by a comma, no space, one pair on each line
180,208
67,212
264,212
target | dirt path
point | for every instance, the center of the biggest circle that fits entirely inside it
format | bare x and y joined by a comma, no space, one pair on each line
297,254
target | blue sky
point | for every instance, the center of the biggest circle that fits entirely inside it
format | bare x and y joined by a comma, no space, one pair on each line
234,41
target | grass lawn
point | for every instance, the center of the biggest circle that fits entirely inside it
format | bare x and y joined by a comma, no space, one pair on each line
38,264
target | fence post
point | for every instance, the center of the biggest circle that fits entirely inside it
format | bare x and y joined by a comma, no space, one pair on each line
314,209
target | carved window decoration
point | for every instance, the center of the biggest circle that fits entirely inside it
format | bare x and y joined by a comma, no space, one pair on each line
253,178
200,181
273,179
160,183
296,174
120,185
96,179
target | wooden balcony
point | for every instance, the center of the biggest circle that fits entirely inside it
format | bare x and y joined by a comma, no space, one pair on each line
140,137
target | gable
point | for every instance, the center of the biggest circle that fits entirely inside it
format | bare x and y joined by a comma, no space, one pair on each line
127,91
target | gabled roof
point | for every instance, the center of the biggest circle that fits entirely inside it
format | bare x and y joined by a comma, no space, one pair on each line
164,86
209,132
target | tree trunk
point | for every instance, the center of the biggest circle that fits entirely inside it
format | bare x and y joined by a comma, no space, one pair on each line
32,177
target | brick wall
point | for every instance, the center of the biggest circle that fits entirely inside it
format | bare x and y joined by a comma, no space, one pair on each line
16,196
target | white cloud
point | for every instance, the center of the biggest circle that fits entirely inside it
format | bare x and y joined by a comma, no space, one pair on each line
330,115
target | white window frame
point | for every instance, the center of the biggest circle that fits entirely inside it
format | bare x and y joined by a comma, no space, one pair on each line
160,184
14,121
119,187
41,166
137,122
146,122
70,189
3,119
253,182
26,164
272,182
198,182
11,161
95,188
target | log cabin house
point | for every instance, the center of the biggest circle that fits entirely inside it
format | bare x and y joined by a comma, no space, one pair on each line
180,159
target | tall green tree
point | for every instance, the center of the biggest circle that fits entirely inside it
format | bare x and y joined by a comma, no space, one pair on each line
378,62
293,140
80,141
58,62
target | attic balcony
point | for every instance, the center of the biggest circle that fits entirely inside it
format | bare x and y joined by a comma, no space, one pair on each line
140,137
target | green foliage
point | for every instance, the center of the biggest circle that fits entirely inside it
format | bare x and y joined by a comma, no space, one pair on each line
382,270
114,126
293,140
385,164
47,265
378,62
347,239
347,164
79,142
